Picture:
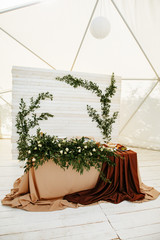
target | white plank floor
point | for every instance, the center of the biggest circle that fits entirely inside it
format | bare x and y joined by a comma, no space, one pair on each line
106,221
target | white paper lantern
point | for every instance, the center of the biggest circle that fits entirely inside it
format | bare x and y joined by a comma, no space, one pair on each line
100,27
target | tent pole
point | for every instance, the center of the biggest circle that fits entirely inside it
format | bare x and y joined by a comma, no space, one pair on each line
5,101
139,79
19,7
135,38
26,47
5,91
139,106
84,35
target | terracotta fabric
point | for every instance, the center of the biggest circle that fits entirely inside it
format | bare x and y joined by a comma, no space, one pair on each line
43,189
124,183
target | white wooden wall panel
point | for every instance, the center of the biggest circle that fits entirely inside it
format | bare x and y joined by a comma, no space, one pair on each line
69,104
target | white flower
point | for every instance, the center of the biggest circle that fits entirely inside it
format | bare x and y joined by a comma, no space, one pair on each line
78,147
59,145
65,153
35,148
101,149
29,151
39,142
94,150
79,150
61,152
110,149
90,153
85,146
53,141
64,141
67,149
39,145
33,159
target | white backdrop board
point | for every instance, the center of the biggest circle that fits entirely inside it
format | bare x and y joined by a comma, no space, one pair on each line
68,106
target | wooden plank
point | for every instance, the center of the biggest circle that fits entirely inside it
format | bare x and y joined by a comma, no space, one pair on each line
139,232
153,175
136,219
86,231
5,208
11,171
8,181
128,207
152,182
146,164
33,221
152,169
9,163
147,237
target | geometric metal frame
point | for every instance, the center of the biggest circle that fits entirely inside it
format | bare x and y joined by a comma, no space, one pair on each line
81,43
145,55
142,50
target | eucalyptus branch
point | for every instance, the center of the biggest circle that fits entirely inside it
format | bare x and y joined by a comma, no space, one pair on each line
95,116
78,82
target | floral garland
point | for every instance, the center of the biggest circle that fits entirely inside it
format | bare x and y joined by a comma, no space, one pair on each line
80,153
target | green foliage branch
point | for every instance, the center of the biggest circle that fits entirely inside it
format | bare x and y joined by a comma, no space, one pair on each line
27,119
81,154
104,120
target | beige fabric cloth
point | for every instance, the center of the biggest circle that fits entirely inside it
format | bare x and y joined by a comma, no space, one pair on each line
150,192
43,189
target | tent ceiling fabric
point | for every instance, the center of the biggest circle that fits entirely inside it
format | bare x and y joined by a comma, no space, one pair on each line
54,29
145,26
55,34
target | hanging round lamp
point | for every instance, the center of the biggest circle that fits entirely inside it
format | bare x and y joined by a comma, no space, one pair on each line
100,27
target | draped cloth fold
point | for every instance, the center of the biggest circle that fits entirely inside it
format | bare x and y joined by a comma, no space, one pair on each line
124,183
50,188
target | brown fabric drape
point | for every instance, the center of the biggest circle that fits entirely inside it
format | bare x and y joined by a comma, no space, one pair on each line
43,189
124,183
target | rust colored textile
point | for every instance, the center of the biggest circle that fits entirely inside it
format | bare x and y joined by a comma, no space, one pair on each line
124,183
